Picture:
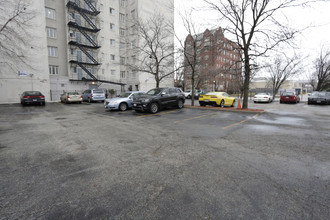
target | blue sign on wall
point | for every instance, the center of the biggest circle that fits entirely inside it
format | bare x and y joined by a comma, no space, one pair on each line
22,74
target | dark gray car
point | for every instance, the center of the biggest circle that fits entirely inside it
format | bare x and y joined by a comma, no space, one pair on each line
319,97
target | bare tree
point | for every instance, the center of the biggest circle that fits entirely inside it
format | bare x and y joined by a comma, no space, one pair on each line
15,21
156,48
320,79
189,47
282,69
257,28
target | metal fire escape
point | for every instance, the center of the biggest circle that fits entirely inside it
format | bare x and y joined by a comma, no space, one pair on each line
89,31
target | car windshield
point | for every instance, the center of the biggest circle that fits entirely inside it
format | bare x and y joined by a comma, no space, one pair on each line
125,95
73,93
154,91
288,94
322,94
98,91
33,93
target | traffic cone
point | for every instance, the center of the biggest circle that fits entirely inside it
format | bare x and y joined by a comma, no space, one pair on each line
239,104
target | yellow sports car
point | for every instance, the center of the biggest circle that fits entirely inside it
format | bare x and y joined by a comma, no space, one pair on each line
217,99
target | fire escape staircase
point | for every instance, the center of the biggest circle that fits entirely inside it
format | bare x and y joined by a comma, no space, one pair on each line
82,30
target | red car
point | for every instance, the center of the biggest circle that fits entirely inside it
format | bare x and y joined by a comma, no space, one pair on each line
290,97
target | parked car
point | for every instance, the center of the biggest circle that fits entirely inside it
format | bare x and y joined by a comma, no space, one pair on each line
217,99
290,97
69,97
187,94
32,97
92,95
263,97
159,98
196,94
319,97
122,102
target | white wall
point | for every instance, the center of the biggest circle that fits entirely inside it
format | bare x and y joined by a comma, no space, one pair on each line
12,85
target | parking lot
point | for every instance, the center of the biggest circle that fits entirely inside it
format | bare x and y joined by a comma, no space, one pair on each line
79,161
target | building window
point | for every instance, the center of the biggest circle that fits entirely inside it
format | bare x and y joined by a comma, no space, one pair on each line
52,51
121,17
51,32
50,13
112,57
122,46
112,11
134,59
133,14
53,70
112,26
112,42
122,61
113,72
122,32
122,74
123,3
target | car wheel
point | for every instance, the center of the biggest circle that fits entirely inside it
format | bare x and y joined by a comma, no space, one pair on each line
254,101
180,104
89,100
268,100
222,103
232,105
202,104
123,106
281,102
188,97
154,108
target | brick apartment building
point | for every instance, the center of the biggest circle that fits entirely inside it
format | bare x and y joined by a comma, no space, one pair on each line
217,60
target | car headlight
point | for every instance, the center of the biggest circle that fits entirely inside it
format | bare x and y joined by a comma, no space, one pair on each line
146,100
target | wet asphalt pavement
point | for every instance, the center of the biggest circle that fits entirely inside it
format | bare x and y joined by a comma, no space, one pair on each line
83,162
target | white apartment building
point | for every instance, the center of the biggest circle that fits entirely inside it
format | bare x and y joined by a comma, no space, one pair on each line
89,44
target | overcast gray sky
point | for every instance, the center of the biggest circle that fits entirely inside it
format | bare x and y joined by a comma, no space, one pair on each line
309,43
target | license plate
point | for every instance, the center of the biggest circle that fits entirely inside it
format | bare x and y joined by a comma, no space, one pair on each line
318,101
206,100
34,100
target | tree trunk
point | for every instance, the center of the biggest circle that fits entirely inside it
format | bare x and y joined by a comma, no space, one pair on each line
193,89
246,80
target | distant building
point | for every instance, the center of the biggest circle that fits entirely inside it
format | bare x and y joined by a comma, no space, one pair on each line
262,84
218,62
85,44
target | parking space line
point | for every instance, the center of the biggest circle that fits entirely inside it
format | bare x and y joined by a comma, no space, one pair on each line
241,122
163,113
201,116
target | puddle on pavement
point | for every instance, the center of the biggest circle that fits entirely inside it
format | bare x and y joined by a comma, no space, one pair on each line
283,121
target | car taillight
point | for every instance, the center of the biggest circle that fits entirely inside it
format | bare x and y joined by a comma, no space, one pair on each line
200,96
81,96
42,97
92,95
214,97
25,97
266,97
255,97
68,97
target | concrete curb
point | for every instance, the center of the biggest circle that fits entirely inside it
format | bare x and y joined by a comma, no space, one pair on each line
225,109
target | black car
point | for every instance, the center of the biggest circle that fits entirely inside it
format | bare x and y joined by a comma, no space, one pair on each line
32,97
321,97
159,98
